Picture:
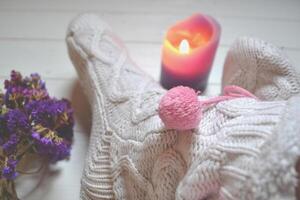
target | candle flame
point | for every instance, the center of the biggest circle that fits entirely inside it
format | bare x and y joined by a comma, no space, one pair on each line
184,47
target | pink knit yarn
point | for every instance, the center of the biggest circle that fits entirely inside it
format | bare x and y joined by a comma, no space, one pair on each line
180,109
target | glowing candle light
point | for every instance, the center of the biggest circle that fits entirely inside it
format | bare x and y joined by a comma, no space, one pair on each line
188,52
184,47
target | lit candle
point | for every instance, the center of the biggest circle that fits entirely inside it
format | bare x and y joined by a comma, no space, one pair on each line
188,52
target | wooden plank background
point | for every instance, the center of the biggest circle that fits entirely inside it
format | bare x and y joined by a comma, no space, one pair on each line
32,40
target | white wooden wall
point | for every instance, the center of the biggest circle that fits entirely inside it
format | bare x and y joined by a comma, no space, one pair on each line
32,40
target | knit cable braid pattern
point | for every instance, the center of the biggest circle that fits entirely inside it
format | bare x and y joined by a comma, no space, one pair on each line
243,148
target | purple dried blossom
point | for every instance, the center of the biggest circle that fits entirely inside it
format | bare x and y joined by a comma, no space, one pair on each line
37,82
9,170
63,150
32,121
55,149
65,132
17,122
35,135
2,128
51,113
15,79
20,91
53,127
10,146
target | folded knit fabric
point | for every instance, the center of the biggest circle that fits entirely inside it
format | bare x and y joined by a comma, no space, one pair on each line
243,148
261,68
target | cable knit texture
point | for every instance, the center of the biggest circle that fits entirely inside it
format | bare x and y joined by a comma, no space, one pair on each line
261,68
242,149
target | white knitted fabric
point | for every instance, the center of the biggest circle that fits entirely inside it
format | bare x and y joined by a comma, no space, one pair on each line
242,149
260,68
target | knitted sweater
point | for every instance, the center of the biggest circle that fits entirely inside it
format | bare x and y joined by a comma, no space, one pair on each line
243,148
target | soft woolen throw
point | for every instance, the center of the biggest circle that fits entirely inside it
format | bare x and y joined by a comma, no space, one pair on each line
244,148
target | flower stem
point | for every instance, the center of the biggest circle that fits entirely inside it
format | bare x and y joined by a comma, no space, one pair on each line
8,190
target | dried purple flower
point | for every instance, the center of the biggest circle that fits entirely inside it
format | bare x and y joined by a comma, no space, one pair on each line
55,148
35,135
15,79
9,171
20,91
9,146
17,122
2,127
36,81
62,151
32,121
50,113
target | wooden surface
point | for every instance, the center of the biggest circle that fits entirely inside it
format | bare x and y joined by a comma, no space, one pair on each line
32,40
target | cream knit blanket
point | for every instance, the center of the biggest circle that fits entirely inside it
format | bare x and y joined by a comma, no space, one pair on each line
242,149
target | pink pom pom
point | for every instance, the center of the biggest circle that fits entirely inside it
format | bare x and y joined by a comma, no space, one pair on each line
180,109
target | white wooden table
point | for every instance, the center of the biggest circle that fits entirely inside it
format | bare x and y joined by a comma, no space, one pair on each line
32,40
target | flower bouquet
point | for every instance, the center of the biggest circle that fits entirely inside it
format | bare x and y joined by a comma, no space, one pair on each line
31,123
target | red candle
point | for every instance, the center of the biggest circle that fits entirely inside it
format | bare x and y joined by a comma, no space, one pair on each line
188,52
